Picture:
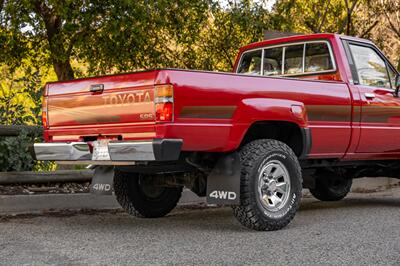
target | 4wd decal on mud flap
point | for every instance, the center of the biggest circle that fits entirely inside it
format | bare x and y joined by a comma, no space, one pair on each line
102,181
223,195
223,184
102,187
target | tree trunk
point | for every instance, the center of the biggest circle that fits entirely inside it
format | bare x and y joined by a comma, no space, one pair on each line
53,25
63,70
348,23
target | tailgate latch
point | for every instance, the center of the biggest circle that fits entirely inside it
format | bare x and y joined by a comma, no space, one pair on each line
97,88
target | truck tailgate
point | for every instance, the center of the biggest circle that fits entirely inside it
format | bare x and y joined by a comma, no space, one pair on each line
119,100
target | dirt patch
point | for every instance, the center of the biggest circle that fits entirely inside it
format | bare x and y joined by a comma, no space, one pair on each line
377,189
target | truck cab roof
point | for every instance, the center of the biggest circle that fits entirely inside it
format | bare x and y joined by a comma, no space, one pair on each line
297,38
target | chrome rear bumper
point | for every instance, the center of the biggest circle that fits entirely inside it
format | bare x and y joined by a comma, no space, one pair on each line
120,151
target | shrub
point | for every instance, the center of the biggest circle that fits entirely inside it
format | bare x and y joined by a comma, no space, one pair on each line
15,153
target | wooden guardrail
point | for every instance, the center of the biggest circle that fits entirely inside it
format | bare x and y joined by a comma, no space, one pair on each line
15,130
60,176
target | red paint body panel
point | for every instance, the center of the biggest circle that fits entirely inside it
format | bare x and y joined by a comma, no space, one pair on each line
256,99
213,110
379,117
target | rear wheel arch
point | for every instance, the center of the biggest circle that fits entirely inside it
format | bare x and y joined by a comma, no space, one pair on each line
273,118
297,138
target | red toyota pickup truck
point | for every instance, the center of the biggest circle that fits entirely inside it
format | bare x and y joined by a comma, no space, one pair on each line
312,111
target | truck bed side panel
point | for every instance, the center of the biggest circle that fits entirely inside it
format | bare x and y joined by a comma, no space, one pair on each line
206,108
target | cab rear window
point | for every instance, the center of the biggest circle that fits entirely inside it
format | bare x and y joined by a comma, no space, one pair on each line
288,60
317,58
272,61
293,63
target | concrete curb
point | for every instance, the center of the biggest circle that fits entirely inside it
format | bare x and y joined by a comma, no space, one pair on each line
32,204
61,176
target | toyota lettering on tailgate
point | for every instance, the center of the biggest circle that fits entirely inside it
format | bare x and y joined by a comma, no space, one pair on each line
127,98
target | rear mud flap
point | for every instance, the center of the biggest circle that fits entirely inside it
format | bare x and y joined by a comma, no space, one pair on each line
223,184
102,182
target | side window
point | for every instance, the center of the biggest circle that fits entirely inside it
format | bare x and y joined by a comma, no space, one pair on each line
294,59
371,68
317,58
251,63
273,61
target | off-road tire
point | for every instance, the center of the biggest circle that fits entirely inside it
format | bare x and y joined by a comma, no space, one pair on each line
250,212
330,187
132,199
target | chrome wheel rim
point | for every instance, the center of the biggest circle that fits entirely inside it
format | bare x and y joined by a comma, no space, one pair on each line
274,186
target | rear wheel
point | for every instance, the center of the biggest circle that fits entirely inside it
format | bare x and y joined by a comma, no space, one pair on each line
271,185
141,199
330,186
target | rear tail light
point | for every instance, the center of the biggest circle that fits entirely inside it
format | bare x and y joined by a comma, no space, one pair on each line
164,103
45,117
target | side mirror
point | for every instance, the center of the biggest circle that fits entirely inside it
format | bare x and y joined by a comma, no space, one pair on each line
397,85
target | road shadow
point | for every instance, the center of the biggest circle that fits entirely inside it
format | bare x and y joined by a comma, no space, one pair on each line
193,218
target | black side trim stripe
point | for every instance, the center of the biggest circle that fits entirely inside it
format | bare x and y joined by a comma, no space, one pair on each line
213,112
381,114
339,113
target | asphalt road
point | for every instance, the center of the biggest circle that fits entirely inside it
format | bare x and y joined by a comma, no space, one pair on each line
363,229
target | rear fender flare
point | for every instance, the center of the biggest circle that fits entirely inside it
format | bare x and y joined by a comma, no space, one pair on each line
266,109
254,110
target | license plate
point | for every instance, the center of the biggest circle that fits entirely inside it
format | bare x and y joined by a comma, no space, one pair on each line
100,151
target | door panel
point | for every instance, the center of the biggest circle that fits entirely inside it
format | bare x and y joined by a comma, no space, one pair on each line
380,121
380,109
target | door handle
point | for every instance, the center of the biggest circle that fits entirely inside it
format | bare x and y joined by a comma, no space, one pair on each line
369,95
97,88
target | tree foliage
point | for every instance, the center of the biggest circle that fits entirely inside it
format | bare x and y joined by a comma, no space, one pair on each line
113,36
20,96
315,16
229,29
106,35
371,19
